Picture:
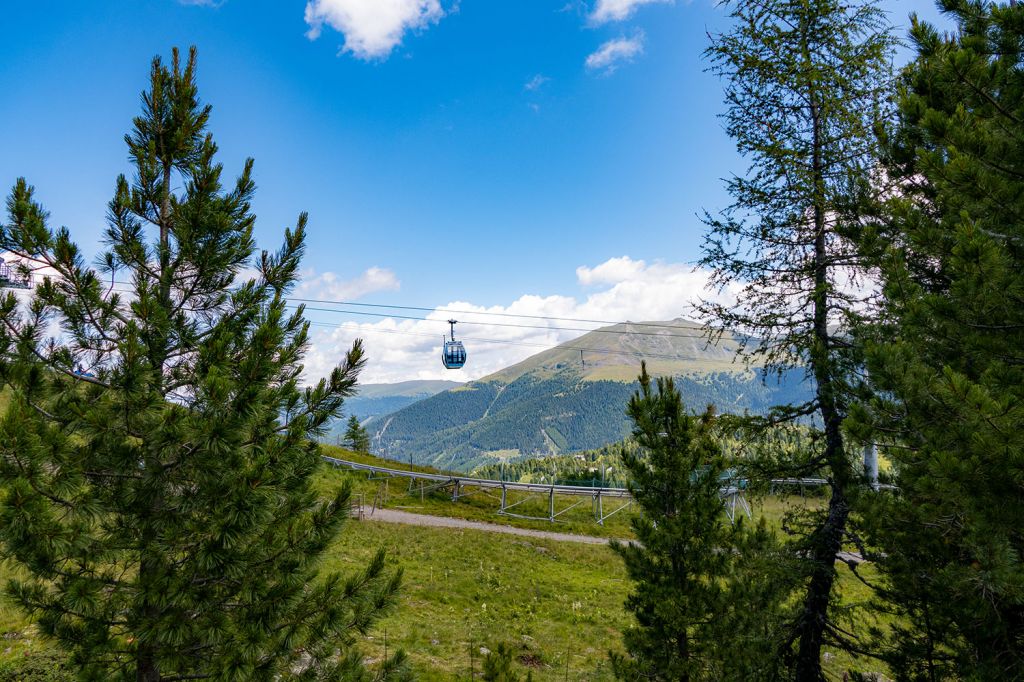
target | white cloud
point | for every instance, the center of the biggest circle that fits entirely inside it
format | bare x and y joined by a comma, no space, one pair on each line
616,51
400,350
329,286
536,82
372,28
612,271
617,10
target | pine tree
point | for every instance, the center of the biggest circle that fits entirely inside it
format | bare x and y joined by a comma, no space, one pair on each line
687,565
157,452
945,358
806,85
356,436
497,666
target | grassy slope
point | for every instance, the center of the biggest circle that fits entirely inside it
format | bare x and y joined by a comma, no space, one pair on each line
556,603
468,589
615,356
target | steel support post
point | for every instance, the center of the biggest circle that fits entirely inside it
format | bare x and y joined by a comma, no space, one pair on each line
871,464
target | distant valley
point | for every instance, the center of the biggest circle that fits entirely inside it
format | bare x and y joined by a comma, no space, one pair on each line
376,400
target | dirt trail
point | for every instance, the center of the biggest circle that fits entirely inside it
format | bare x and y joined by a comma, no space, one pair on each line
497,395
408,518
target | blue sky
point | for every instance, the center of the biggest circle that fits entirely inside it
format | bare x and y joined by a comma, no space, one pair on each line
527,156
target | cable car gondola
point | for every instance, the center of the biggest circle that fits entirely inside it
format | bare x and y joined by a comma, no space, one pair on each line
454,354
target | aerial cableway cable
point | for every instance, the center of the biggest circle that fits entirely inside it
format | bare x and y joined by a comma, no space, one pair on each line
661,356
484,313
523,344
621,332
655,325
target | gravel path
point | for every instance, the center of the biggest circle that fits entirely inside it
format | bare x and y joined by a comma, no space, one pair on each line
408,518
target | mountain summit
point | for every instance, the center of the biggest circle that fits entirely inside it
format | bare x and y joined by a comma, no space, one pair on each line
676,347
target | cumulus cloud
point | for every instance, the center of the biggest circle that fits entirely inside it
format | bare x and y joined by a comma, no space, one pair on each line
330,286
619,289
615,52
612,271
617,10
372,28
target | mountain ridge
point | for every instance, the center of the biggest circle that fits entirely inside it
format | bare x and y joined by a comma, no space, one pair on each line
615,351
413,388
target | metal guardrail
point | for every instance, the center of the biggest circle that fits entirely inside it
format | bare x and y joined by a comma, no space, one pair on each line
485,483
732,492
573,490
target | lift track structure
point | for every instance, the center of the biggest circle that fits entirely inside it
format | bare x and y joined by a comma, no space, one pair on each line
463,486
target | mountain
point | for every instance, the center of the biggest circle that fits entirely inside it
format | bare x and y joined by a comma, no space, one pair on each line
374,400
677,347
559,401
403,389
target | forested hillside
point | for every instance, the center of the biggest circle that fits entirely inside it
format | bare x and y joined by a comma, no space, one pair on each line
598,467
547,414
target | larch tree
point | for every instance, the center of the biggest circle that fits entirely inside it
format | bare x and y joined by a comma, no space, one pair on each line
807,82
157,451
946,356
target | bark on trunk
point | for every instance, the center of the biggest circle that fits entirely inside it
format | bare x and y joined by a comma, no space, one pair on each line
827,540
145,668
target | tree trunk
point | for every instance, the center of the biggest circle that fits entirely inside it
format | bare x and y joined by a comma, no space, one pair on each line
145,666
814,619
828,538
165,241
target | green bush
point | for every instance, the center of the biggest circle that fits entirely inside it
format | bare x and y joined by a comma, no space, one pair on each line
37,666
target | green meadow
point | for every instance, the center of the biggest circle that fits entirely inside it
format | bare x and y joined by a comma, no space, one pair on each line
558,604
